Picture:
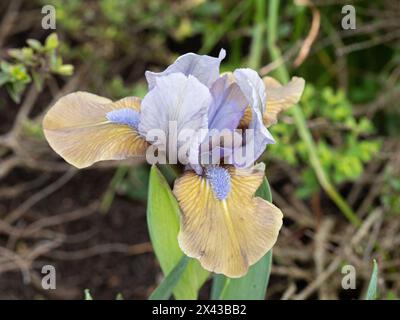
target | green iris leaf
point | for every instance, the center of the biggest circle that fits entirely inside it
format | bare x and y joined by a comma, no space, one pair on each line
163,224
372,291
164,290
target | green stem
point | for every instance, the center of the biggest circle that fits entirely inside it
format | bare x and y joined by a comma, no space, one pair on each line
227,24
258,35
300,122
164,290
372,290
109,195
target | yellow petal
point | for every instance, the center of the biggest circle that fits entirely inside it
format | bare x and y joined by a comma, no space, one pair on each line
127,102
77,129
226,236
280,98
246,119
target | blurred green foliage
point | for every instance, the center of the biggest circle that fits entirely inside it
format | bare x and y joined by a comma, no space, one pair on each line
344,143
36,61
390,195
14,77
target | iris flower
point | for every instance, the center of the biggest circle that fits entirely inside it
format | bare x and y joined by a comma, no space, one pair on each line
223,224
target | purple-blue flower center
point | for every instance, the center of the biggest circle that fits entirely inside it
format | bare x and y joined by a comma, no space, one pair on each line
124,116
220,181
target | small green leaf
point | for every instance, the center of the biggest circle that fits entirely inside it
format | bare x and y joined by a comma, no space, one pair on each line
5,66
372,291
16,54
54,62
15,91
33,129
264,191
253,285
119,296
35,44
19,74
4,78
164,290
65,70
88,296
163,224
51,42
